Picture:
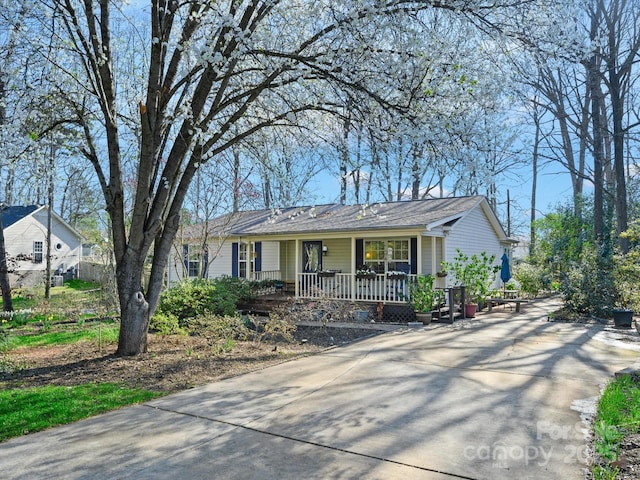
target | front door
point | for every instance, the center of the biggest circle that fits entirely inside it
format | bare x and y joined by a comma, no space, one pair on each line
311,257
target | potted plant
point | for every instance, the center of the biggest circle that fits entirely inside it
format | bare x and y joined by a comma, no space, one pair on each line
326,274
476,273
396,275
365,272
424,298
626,276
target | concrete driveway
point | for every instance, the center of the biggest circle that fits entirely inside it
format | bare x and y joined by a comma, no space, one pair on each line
503,396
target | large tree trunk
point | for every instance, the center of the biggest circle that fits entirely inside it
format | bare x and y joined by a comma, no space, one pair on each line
5,285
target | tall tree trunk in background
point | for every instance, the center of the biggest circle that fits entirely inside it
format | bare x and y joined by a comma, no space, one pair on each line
593,72
236,179
620,21
416,171
344,158
534,183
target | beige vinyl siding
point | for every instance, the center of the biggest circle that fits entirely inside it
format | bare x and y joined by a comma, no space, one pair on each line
338,256
288,260
270,256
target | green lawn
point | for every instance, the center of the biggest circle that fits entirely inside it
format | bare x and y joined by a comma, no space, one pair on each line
618,415
102,333
30,410
61,320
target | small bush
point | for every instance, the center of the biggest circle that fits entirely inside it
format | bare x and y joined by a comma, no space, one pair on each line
588,288
276,329
166,324
530,277
5,334
217,327
323,309
193,298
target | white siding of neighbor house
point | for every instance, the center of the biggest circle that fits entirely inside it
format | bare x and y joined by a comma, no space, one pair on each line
20,237
474,234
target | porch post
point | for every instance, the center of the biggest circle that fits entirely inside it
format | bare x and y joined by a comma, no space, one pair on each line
354,266
297,268
434,255
419,254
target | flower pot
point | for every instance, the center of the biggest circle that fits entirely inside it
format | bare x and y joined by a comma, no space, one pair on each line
470,309
424,317
622,317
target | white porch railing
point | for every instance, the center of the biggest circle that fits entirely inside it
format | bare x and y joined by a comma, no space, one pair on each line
348,286
267,275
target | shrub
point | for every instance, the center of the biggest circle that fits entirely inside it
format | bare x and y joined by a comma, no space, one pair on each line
588,287
530,277
192,298
476,272
276,328
166,324
218,327
627,274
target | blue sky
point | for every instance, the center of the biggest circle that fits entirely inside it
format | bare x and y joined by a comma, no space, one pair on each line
554,187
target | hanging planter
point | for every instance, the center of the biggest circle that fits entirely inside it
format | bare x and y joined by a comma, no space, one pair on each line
396,275
326,274
366,275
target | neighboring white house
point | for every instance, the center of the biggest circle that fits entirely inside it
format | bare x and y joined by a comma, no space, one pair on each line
25,235
322,250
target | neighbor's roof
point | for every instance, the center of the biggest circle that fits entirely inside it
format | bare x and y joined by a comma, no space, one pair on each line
11,215
415,214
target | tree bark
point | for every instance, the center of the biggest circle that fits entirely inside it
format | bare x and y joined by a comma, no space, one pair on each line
5,285
534,182
133,332
593,73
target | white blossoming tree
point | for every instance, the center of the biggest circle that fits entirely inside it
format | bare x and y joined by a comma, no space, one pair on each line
161,87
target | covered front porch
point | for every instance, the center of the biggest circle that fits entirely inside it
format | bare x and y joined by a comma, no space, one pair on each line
367,269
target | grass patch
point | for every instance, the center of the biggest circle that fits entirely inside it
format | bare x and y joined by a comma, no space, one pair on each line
30,410
618,415
73,292
105,334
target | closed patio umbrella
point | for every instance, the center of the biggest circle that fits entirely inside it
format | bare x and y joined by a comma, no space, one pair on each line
505,270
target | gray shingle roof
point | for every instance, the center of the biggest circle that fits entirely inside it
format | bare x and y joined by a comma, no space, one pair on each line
341,218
